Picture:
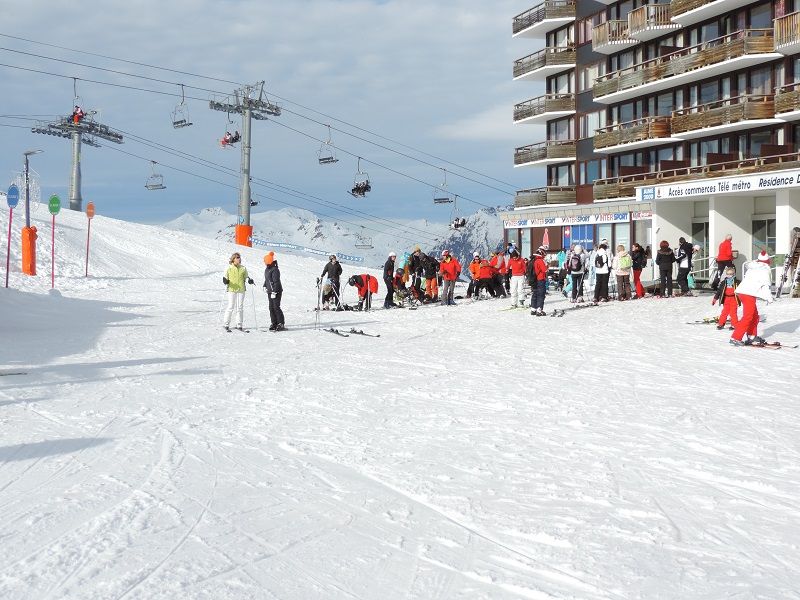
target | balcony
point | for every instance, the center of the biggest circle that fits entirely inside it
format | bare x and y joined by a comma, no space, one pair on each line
611,37
625,186
787,102
548,15
787,34
723,116
539,65
650,21
689,12
649,131
544,153
545,195
734,51
544,108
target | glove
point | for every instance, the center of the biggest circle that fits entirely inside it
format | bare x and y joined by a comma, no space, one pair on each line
273,295
225,280
318,280
713,301
250,281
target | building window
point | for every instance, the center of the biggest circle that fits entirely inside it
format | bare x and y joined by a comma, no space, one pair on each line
561,129
761,16
763,236
592,122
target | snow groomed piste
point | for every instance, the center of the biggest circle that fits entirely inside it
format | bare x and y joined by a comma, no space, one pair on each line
466,453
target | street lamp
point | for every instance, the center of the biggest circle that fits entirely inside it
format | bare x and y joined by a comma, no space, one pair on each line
28,232
28,187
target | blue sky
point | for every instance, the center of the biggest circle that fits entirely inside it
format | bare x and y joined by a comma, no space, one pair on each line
436,76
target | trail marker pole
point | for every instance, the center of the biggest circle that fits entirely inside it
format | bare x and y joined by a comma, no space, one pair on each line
55,207
13,200
89,214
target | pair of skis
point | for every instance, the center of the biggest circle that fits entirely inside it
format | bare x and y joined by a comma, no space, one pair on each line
353,331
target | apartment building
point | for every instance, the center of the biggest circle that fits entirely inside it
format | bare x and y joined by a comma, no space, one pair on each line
662,120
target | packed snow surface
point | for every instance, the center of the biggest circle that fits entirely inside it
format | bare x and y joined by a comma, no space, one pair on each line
467,453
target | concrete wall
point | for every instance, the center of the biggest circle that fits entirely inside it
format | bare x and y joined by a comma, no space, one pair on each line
671,220
787,216
731,214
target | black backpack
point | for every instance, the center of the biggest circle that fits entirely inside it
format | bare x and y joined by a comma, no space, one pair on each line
598,261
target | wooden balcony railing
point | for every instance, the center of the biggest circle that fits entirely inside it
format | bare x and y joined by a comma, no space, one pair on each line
547,57
741,43
683,6
549,9
610,32
549,150
544,104
625,187
650,16
632,131
787,30
723,112
546,195
787,98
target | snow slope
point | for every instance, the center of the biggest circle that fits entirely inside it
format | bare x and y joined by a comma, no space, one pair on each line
467,453
484,232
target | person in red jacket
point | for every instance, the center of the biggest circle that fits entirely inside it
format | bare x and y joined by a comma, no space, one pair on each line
485,279
726,295
537,278
366,286
724,259
517,267
450,269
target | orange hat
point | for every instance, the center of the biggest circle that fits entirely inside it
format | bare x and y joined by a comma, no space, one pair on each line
269,257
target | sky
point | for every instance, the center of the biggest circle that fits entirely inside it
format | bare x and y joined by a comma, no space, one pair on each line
434,76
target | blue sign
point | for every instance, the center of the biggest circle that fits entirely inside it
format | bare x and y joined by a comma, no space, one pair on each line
347,257
13,196
648,193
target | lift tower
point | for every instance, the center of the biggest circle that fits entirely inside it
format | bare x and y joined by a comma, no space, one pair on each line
82,131
249,101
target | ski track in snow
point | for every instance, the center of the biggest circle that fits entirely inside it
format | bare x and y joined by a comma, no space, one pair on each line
467,453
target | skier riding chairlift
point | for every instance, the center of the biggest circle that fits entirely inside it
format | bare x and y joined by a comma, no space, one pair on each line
230,138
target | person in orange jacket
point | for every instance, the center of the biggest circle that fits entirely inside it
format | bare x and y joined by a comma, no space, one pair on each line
450,269
517,267
485,279
497,276
366,286
726,296
537,278
475,275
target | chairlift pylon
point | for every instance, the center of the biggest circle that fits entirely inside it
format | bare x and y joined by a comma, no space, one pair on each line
361,184
440,193
180,115
156,180
326,155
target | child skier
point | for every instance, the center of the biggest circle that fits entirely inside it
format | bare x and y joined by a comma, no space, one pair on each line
726,296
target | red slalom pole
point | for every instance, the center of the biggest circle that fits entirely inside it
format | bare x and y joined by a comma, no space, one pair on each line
53,258
88,233
8,251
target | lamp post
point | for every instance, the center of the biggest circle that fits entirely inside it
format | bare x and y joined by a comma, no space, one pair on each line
28,232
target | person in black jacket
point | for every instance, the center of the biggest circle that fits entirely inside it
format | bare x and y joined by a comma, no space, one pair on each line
684,260
665,258
388,280
274,289
639,258
333,271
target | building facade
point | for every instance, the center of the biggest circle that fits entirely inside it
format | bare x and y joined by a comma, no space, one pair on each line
662,120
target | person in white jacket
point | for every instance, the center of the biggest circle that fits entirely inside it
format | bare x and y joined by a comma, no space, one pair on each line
755,285
602,271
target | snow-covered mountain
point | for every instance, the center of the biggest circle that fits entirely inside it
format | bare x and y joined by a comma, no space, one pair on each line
483,232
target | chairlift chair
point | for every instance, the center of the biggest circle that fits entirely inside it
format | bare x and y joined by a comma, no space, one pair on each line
440,193
180,115
326,153
456,222
361,184
363,242
156,180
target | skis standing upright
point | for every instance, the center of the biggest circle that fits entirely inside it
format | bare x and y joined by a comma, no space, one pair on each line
791,258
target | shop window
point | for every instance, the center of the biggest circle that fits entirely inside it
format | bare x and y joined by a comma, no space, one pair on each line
700,238
641,233
622,233
525,243
606,231
580,234
763,235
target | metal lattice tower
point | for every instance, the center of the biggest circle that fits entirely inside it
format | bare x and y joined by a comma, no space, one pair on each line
85,131
249,101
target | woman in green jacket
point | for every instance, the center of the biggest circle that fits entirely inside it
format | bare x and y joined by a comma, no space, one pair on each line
235,278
